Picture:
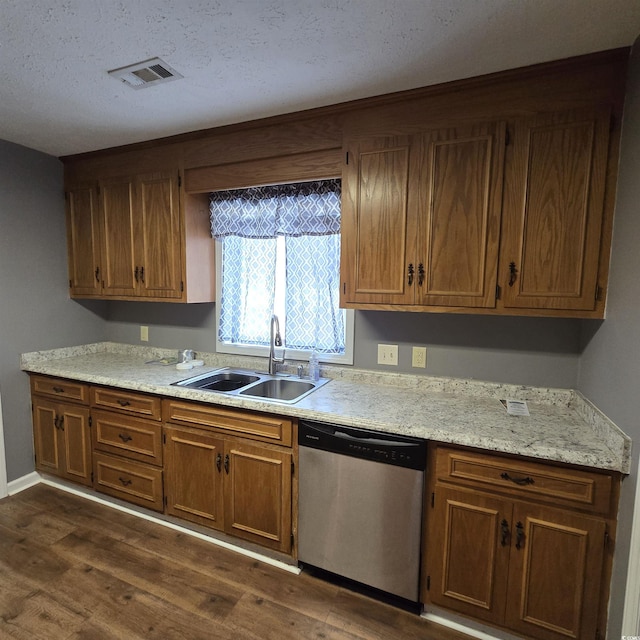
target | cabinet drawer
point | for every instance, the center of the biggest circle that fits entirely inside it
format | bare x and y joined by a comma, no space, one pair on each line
258,426
131,481
60,388
138,404
134,438
548,483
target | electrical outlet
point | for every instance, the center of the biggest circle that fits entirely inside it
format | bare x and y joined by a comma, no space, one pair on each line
144,333
419,357
388,354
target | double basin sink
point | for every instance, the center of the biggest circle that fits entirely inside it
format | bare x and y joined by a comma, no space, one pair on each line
252,384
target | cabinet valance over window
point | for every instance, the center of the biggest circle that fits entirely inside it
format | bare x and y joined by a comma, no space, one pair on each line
304,209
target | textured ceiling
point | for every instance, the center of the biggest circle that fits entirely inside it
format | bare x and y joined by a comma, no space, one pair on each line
246,59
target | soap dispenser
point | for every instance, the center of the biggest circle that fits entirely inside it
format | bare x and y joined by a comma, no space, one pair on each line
314,366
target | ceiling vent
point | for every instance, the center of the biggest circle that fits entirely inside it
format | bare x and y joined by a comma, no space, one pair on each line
144,74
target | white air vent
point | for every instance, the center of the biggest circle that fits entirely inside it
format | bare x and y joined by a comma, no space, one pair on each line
143,74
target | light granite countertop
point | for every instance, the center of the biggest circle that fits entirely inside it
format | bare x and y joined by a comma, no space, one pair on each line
563,425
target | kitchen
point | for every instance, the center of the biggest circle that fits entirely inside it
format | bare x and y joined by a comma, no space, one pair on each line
597,358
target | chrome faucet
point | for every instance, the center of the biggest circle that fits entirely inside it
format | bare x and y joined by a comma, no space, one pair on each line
274,341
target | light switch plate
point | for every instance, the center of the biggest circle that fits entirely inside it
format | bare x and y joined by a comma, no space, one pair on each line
388,354
144,333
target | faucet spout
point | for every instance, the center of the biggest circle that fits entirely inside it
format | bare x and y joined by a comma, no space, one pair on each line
274,341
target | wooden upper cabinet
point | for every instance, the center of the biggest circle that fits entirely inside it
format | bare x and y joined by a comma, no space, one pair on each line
378,225
555,180
118,224
460,189
83,240
421,218
158,235
126,236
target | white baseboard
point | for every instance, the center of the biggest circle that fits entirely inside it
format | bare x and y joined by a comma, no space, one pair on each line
31,479
466,626
35,478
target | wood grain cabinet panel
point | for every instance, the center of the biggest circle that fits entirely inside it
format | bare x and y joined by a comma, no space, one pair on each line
84,240
62,439
421,218
258,494
554,202
129,402
128,480
496,552
194,476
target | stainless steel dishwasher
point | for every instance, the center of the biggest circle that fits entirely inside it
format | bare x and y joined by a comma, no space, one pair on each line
360,505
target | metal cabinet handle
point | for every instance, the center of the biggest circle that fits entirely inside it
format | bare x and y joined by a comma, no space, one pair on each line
523,482
124,437
97,274
512,273
218,462
55,421
142,275
410,272
226,463
58,389
504,533
61,423
135,274
519,535
124,403
420,274
125,481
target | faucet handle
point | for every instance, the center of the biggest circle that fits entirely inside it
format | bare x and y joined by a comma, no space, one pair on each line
300,370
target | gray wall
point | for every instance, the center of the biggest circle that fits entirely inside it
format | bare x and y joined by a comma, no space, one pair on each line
535,351
610,363
35,312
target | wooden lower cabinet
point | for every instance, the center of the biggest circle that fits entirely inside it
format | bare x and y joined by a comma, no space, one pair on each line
230,485
128,480
62,439
193,475
498,554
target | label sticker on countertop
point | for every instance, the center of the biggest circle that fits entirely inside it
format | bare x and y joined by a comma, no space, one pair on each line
516,407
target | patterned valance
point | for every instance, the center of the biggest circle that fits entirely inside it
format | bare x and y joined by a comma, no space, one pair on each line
304,209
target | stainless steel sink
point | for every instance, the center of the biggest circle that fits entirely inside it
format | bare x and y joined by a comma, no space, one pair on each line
252,384
282,389
222,381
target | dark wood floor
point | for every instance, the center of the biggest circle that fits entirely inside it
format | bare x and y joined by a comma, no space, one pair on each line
72,568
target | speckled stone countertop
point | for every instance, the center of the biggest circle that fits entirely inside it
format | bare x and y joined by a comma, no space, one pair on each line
563,425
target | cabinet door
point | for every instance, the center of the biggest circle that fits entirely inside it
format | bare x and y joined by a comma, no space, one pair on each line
378,224
193,476
62,439
157,233
83,241
76,437
554,574
460,187
258,494
468,553
45,436
553,210
118,258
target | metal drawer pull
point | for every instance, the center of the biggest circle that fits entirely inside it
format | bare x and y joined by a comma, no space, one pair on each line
124,437
124,403
519,535
125,481
410,272
504,533
58,389
521,481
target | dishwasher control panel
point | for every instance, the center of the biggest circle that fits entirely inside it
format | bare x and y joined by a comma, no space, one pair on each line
377,446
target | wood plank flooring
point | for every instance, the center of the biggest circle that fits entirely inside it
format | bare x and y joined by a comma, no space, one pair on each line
72,568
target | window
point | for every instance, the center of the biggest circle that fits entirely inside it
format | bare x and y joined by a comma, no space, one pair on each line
279,252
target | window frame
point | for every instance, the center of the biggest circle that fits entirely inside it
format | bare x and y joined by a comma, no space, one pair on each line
290,354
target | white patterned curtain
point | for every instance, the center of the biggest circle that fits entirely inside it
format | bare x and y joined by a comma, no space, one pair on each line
249,221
